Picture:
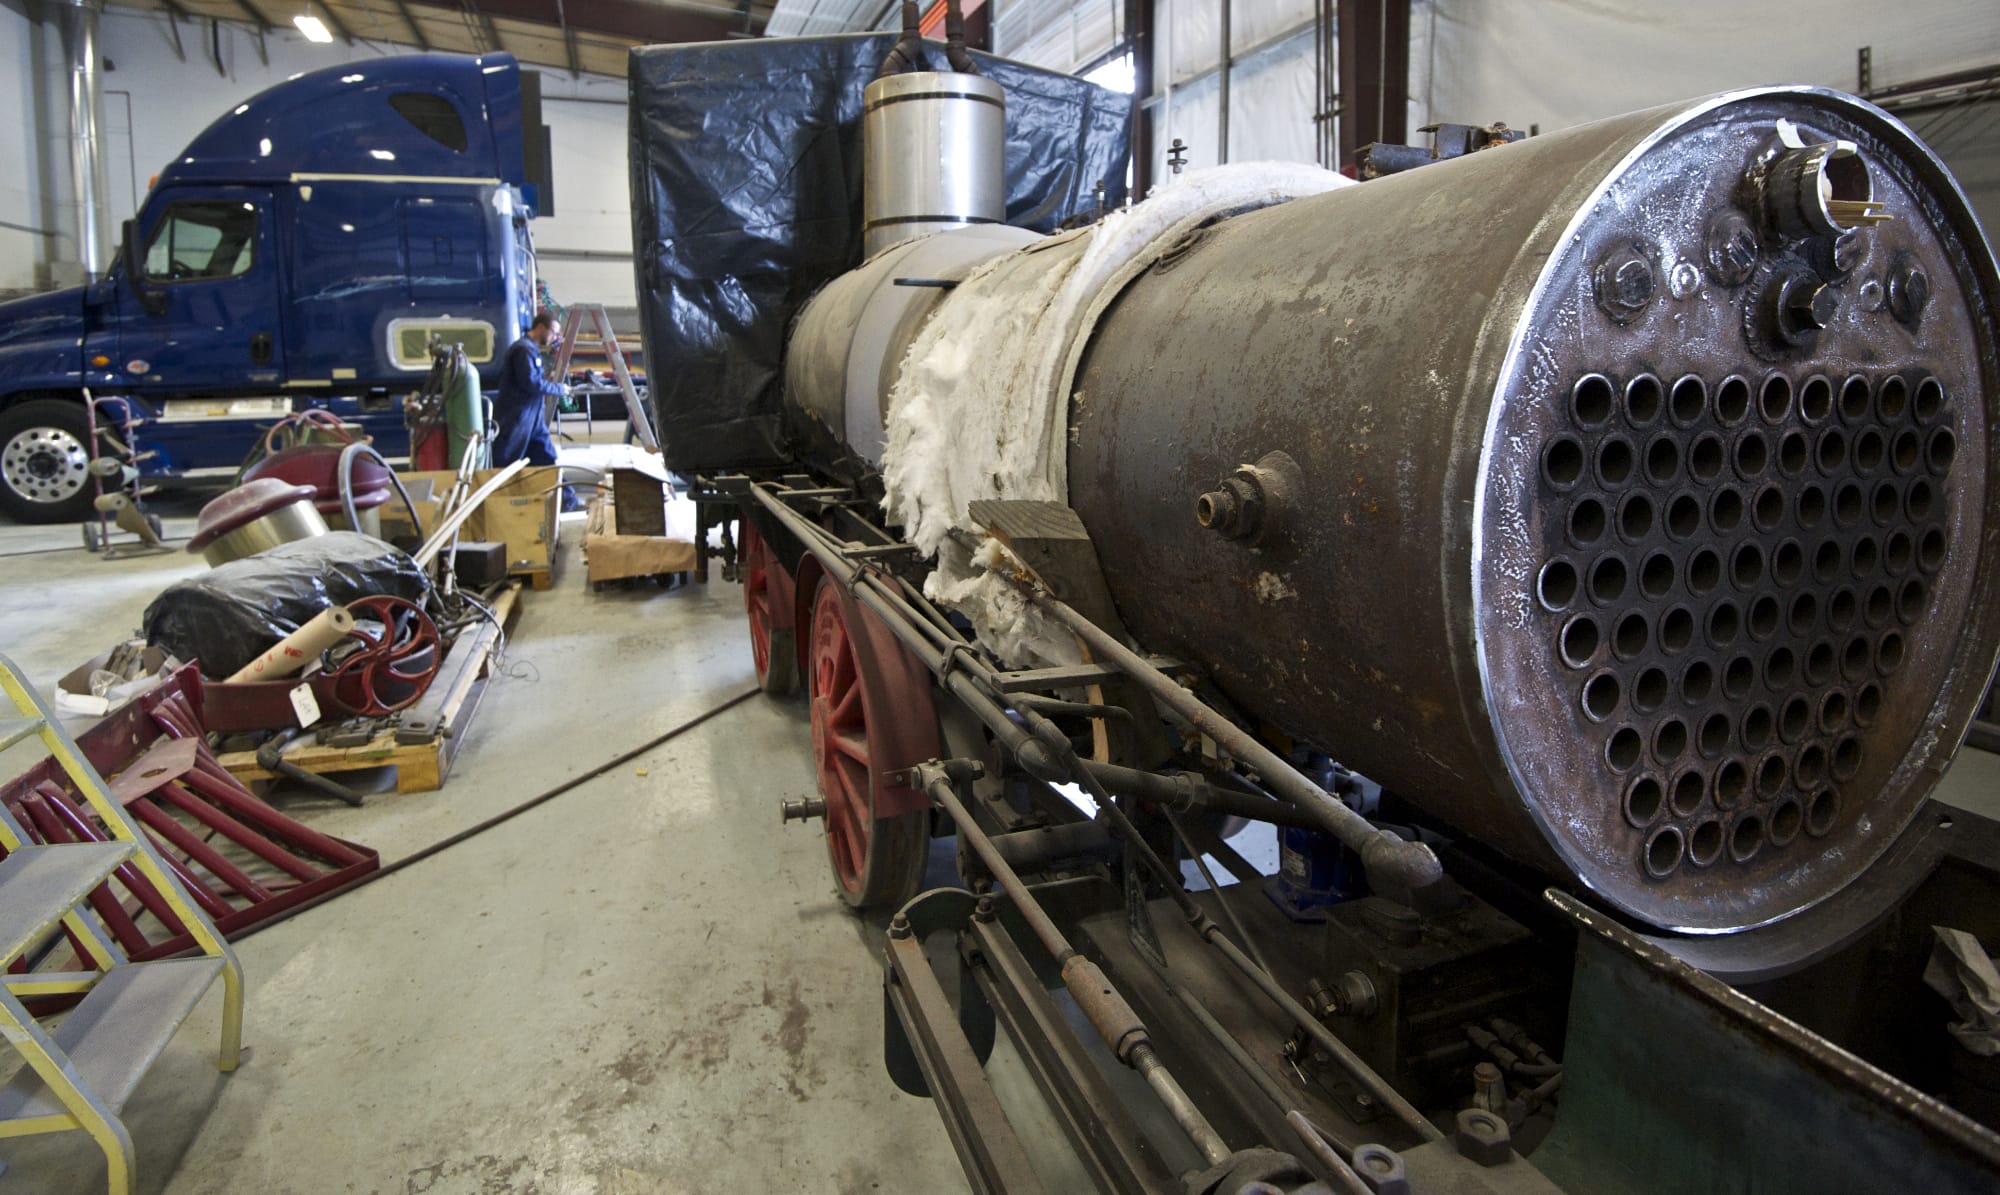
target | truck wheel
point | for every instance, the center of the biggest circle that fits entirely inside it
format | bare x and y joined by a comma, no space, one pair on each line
45,462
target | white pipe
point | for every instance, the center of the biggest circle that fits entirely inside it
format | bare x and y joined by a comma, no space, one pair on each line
299,648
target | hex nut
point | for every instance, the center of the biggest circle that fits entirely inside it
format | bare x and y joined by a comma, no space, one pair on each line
1483,1137
1382,1169
1909,292
1625,283
1731,248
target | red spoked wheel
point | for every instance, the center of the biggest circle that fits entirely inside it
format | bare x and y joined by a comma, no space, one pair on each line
399,655
767,599
872,715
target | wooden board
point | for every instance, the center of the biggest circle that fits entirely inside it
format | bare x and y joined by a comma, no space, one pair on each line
639,505
452,700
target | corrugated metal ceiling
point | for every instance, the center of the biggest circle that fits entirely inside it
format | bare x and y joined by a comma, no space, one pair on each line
577,35
811,18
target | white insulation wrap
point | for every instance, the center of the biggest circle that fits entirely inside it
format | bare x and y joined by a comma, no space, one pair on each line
979,408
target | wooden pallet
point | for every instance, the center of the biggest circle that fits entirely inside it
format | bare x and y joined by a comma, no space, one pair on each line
452,700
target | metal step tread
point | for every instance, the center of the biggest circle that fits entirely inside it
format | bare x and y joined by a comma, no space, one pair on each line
38,884
113,1036
15,730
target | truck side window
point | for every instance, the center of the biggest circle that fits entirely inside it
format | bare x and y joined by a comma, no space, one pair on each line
434,116
203,239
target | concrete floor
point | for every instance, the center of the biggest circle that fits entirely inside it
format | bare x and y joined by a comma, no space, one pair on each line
645,985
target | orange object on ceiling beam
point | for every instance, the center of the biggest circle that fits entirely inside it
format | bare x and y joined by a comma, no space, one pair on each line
933,23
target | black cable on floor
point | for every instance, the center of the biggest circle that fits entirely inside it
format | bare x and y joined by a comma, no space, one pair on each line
506,815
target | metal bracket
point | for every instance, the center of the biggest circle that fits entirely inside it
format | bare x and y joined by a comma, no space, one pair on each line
876,551
1138,915
415,730
1051,540
931,1052
1076,676
349,732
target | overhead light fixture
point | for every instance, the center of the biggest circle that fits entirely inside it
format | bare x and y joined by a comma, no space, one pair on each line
314,28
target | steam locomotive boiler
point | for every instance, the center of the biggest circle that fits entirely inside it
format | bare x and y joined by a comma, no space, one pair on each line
1610,511
1658,565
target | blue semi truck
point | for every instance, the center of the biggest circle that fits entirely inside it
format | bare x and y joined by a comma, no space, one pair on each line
304,251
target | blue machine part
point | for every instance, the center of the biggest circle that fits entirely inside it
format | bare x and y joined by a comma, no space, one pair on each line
1314,869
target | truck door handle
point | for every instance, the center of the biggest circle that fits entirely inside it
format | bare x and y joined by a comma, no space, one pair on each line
260,349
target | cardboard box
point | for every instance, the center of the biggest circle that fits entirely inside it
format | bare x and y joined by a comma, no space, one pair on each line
521,514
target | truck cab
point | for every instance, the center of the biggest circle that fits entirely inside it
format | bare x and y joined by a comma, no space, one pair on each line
303,251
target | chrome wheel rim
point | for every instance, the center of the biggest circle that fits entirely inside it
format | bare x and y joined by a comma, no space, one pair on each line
45,464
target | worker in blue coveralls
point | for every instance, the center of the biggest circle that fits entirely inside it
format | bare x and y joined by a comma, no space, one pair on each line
521,408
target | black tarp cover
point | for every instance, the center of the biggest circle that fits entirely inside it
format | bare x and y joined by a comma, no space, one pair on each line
746,198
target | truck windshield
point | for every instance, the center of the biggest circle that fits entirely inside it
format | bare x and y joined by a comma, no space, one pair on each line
203,239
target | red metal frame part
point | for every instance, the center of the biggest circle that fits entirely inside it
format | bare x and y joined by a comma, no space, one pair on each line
212,831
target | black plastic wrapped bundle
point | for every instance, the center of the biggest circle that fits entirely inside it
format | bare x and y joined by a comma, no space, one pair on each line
231,614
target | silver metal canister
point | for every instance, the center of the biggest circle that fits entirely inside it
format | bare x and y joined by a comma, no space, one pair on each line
933,148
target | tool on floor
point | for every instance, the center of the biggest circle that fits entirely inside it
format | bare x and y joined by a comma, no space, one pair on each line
271,757
79,1075
639,425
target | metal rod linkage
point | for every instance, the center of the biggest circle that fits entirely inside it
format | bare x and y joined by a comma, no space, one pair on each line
1119,1027
1205,927
1394,864
1345,1180
1044,751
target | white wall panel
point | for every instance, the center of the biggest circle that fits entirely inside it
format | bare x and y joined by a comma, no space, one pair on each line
1563,62
1270,89
1192,31
1253,21
1271,104
812,18
1057,35
22,147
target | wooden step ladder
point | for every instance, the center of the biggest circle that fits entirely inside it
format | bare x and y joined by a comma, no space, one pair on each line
636,416
79,1075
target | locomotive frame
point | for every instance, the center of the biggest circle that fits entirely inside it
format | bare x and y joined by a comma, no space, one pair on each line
1162,1040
